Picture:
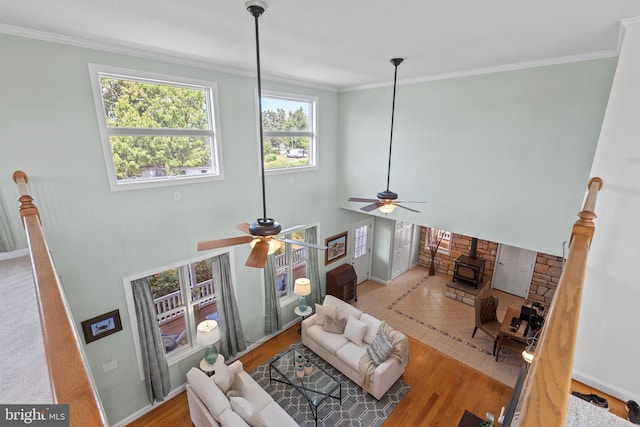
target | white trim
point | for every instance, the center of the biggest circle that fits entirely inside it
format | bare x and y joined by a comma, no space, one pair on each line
211,89
490,70
18,253
139,413
194,61
624,24
313,153
133,321
605,387
155,54
128,420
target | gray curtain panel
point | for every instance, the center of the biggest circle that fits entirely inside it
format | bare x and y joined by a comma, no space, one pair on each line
154,362
7,244
313,272
231,334
273,318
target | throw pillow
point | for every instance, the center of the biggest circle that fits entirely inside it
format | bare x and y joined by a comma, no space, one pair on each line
322,311
237,387
379,349
372,328
247,412
335,325
355,330
223,377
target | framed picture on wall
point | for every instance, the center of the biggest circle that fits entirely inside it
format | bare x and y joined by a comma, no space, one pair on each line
336,247
101,326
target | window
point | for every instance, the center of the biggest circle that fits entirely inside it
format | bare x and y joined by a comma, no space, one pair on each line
441,238
289,125
156,130
183,296
291,264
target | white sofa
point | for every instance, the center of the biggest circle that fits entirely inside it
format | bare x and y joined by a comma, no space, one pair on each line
210,407
344,352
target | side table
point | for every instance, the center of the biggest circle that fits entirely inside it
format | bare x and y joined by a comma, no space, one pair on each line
302,314
210,369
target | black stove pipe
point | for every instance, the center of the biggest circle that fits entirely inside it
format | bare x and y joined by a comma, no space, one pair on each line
474,247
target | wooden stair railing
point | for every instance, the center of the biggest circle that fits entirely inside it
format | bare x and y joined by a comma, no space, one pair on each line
545,393
69,374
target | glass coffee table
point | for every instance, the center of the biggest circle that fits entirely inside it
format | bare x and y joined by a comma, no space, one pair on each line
316,386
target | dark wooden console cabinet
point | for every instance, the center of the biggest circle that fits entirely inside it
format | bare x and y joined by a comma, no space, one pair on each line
341,283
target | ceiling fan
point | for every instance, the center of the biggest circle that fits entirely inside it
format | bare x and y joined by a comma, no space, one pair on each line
262,234
386,200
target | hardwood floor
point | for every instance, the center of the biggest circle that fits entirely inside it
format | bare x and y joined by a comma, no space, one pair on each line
441,389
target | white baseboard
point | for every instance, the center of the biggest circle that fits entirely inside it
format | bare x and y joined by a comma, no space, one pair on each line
378,280
173,393
14,254
605,387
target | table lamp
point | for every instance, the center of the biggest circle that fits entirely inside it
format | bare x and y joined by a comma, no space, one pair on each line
529,352
208,334
302,287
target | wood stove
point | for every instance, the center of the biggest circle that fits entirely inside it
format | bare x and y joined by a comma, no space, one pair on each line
470,270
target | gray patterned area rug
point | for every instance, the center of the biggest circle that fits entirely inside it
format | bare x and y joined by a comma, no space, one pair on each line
357,409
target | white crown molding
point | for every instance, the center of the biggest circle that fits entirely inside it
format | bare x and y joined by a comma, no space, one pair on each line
147,52
192,61
497,69
624,24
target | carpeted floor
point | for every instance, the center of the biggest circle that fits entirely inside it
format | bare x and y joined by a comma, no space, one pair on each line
356,409
24,379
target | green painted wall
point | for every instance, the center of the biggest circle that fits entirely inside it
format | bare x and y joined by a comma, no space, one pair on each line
504,156
48,128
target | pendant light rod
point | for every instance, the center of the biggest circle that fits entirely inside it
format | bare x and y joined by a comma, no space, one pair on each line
395,62
256,9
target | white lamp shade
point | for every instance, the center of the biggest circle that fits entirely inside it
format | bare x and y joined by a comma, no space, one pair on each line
302,286
208,332
387,208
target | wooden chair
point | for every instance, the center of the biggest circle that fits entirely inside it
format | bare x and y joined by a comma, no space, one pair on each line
487,318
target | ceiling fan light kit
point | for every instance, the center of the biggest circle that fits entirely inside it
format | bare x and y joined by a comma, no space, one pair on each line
262,234
386,200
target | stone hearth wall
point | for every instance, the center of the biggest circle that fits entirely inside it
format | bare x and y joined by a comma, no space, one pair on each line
460,245
546,273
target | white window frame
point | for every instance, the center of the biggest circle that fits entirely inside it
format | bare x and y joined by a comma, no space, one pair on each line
291,297
446,238
191,347
97,71
312,134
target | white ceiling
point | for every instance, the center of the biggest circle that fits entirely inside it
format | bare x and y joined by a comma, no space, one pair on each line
336,43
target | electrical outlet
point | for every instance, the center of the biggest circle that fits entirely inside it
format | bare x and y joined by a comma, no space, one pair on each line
176,195
108,367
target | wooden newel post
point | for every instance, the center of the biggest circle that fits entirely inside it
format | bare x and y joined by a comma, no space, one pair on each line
27,208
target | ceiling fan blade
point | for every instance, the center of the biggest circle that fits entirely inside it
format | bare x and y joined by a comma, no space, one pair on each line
290,229
302,243
407,201
372,206
244,227
404,207
258,256
222,243
360,199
